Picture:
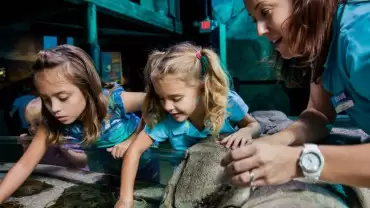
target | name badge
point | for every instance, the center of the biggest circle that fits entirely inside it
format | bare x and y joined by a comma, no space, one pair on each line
342,102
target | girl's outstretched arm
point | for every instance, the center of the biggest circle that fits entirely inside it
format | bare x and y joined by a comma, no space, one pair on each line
130,167
132,101
250,125
23,168
249,128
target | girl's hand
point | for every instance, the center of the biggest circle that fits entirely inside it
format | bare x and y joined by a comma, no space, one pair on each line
124,204
237,139
119,150
24,141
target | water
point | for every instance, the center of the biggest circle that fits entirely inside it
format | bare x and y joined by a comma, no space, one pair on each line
67,187
151,192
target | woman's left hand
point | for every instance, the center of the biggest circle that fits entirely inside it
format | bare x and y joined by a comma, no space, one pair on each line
119,150
267,164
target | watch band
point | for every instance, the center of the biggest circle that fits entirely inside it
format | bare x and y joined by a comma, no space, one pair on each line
311,148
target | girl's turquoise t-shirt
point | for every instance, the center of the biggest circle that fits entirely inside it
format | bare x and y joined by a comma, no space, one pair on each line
182,135
119,127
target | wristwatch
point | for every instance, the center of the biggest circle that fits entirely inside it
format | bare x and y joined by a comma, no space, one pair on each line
311,162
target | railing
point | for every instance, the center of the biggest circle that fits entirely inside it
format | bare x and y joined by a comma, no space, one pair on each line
169,8
237,83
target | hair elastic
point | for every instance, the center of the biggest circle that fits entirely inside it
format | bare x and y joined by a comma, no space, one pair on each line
198,55
203,61
198,99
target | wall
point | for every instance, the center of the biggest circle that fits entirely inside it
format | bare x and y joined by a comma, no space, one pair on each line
248,57
16,55
18,51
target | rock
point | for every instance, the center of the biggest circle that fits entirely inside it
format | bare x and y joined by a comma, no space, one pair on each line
90,196
271,121
12,204
31,187
199,180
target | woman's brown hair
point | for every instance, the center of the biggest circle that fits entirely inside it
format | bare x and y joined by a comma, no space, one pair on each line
77,67
310,28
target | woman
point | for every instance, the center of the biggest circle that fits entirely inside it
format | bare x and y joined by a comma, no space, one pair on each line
327,41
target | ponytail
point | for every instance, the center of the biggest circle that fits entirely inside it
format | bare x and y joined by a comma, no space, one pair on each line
216,88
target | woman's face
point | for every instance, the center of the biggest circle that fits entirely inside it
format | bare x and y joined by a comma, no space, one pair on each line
270,17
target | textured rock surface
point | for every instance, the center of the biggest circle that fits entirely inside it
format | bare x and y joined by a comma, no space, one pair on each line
199,180
271,121
63,178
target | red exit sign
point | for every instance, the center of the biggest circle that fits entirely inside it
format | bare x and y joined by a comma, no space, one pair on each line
205,25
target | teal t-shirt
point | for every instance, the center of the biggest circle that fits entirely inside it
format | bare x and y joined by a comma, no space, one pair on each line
347,68
183,135
119,127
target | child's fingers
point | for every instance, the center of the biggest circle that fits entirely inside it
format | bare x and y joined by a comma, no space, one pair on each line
22,136
122,151
22,139
112,151
115,152
118,152
244,141
224,140
230,141
237,142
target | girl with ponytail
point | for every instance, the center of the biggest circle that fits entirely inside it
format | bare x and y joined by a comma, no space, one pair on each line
188,99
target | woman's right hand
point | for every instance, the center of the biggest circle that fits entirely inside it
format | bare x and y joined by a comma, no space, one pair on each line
121,203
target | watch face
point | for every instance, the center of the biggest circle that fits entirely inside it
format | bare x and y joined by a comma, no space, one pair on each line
311,162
